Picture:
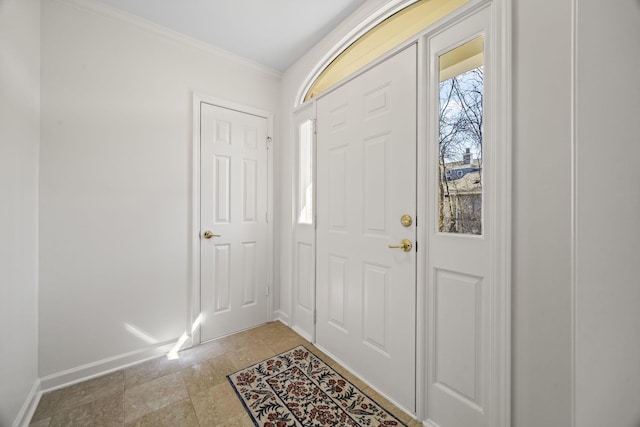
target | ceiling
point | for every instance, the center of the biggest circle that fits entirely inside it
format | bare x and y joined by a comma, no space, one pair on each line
274,33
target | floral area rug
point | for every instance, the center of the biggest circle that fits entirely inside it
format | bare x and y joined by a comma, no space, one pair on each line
296,388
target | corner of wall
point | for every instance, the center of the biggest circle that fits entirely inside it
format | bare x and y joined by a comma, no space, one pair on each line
19,152
29,407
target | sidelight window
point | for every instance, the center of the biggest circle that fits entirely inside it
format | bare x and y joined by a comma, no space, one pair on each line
460,166
305,172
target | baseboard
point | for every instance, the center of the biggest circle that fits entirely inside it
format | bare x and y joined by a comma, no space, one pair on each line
281,316
302,333
105,366
29,407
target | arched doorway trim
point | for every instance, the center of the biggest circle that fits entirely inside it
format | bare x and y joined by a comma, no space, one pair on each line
374,37
356,33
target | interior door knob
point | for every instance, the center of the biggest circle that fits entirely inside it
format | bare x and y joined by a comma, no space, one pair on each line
209,234
405,245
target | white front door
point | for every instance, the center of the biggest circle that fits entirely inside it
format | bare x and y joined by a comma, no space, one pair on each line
366,182
233,219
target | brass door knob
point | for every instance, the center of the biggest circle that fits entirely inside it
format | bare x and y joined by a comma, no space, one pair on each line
405,245
406,220
208,234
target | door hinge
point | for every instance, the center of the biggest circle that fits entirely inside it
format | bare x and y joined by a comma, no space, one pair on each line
267,293
315,126
268,143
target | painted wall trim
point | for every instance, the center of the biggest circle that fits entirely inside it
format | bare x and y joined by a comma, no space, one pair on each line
468,8
29,407
281,316
502,29
194,236
97,8
574,204
104,366
302,333
358,31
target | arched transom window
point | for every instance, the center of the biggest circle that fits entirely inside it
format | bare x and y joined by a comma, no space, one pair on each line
388,34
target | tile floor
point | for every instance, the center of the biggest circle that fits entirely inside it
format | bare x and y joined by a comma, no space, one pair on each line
190,391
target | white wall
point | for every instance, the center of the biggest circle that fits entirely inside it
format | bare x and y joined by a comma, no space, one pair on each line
19,142
115,183
541,357
608,209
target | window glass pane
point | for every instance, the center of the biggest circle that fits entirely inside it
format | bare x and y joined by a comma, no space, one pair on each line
305,173
382,38
460,139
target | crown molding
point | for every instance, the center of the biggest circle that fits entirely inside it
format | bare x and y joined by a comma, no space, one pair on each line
100,9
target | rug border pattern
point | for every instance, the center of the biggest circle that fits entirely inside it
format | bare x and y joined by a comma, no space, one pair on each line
255,421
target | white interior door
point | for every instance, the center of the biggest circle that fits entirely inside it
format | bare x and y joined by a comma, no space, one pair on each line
366,182
233,219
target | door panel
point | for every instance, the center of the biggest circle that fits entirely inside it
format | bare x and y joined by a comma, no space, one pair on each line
458,320
306,259
233,204
366,147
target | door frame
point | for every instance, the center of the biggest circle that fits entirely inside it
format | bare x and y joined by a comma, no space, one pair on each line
194,279
501,60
